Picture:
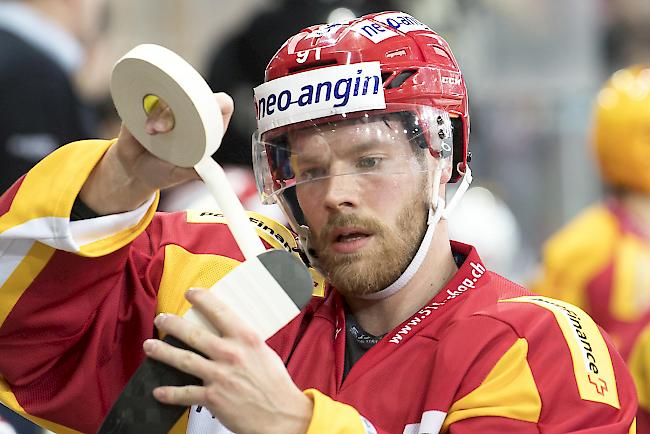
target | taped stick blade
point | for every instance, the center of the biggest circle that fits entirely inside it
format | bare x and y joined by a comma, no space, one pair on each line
290,273
267,292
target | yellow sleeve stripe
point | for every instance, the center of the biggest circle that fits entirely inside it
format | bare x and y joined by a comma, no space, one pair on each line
44,192
183,270
22,276
592,364
633,427
333,417
509,391
639,364
44,199
8,399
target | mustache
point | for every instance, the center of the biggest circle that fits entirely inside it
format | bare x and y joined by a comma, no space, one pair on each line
340,220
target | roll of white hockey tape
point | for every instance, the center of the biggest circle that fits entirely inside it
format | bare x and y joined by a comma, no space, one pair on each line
150,69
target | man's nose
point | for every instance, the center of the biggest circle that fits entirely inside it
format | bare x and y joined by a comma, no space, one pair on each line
341,191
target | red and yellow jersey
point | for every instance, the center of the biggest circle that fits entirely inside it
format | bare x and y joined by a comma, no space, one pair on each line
78,298
601,262
484,355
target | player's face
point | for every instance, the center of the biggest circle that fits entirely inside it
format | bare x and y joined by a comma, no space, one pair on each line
364,194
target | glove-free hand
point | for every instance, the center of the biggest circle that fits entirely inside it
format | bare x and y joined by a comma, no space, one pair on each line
245,383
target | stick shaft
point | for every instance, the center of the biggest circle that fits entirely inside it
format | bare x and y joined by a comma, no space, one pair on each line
217,183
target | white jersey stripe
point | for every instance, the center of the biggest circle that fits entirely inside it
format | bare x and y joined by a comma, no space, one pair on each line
411,428
430,423
12,253
60,233
88,231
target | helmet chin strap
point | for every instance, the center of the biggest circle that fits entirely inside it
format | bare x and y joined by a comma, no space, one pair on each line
437,211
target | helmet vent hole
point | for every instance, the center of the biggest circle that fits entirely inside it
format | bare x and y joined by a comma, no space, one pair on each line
312,65
400,78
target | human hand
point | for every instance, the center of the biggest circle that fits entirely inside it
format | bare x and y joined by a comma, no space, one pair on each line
245,383
128,174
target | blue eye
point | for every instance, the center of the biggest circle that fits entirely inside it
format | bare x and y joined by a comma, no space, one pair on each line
369,162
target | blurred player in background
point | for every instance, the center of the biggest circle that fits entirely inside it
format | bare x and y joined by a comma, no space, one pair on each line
600,261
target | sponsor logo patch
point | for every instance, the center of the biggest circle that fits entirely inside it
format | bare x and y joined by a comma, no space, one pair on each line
592,364
388,25
319,93
373,31
403,22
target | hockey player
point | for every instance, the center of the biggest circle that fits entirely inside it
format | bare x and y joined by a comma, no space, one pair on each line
600,261
360,126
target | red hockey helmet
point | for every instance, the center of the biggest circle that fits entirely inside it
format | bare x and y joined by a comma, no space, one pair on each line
381,64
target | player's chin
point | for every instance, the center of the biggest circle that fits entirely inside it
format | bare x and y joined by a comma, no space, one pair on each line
354,274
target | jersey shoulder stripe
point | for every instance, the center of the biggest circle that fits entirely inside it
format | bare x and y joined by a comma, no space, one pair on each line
592,363
508,391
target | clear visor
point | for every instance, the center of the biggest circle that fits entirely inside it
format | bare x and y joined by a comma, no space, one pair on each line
368,152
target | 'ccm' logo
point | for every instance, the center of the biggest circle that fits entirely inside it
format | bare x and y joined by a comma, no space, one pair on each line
450,80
